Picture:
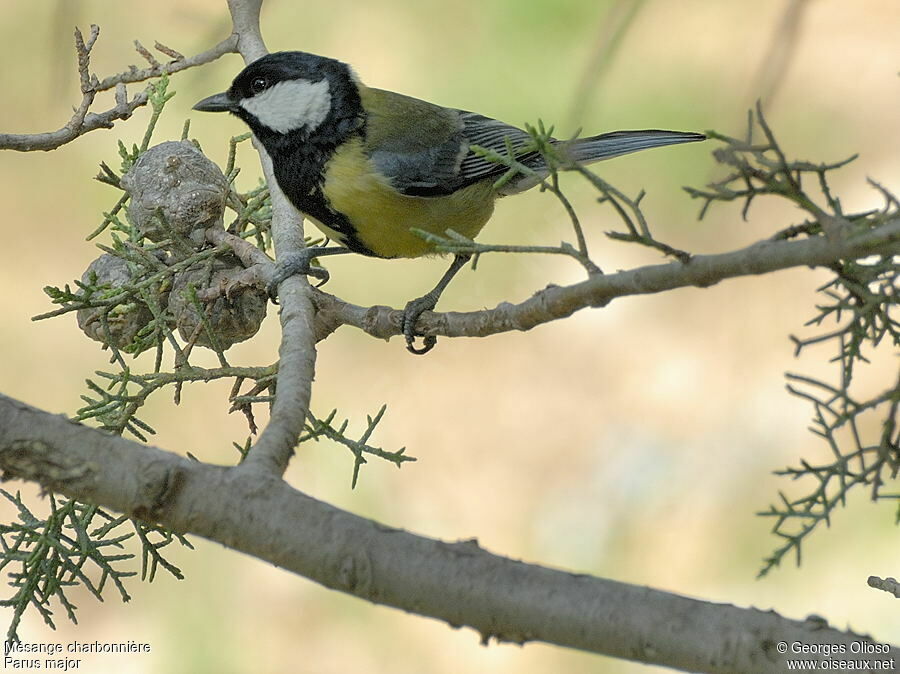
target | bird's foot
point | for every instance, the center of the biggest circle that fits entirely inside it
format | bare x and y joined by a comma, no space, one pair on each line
411,313
296,263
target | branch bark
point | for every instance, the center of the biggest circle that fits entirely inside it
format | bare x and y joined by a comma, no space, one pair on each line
82,121
555,302
458,582
297,353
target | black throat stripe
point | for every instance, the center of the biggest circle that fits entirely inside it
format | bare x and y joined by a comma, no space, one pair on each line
299,158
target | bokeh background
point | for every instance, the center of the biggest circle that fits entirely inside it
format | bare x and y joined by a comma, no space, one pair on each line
634,442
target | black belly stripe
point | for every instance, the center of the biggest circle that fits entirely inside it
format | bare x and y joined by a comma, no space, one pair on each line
299,172
315,205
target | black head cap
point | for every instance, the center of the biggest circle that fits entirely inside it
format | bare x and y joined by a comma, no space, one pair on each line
288,65
340,107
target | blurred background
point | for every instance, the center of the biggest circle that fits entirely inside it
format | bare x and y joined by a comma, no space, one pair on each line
634,442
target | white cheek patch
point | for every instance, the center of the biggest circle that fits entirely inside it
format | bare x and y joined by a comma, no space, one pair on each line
290,105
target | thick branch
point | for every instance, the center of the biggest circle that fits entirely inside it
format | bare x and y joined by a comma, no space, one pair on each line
245,17
555,302
297,353
459,583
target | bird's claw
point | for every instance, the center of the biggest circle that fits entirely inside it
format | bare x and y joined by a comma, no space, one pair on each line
320,273
411,313
297,263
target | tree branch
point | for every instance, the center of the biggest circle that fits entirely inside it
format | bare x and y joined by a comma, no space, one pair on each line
226,46
555,302
82,121
297,353
459,582
889,585
245,17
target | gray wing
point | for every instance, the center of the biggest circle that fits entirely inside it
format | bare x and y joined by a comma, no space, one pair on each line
490,134
425,149
428,164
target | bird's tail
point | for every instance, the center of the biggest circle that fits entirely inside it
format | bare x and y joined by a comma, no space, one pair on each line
616,143
596,148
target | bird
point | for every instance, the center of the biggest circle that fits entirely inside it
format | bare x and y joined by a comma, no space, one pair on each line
369,167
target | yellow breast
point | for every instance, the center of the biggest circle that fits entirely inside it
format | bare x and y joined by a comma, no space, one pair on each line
383,217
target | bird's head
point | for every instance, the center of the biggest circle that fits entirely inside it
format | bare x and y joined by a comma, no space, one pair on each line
288,93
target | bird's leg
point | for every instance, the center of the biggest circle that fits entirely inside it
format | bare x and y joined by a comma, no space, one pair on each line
299,263
427,302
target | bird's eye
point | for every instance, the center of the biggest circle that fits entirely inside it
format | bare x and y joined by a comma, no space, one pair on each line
258,84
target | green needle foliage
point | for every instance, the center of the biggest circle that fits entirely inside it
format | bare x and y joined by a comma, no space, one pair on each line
76,545
858,314
325,428
126,304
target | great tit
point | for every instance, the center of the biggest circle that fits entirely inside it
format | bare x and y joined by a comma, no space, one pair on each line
367,166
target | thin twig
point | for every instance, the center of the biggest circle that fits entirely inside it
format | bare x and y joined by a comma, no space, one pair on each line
889,585
83,121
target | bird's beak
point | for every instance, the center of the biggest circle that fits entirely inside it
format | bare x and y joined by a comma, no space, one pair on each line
215,103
